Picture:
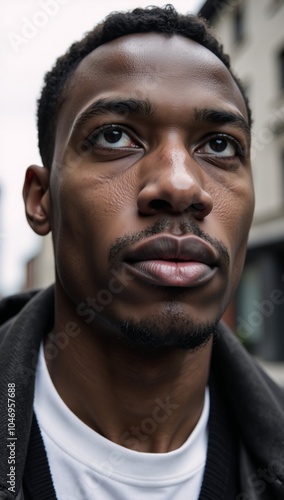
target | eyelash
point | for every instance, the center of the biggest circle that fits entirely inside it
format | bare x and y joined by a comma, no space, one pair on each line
90,141
240,150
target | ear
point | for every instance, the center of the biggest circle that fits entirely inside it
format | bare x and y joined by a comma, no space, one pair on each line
37,200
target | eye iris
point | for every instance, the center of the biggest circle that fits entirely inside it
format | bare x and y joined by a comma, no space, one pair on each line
112,136
218,145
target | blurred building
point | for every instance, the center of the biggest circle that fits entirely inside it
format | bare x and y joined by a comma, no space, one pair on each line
252,32
40,268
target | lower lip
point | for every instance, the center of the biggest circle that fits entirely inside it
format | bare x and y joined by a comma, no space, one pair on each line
167,273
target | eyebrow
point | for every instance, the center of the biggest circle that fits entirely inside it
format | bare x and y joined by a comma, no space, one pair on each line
143,107
222,117
122,107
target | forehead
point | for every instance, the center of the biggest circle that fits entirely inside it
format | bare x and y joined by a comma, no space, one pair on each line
172,71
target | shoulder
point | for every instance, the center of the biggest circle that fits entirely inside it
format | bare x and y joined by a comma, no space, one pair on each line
12,305
256,403
26,312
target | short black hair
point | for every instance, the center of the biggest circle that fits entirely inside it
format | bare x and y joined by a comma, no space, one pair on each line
153,19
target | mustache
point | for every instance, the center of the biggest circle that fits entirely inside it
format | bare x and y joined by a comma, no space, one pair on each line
162,225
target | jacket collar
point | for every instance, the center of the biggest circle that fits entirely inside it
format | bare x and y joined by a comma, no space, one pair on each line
19,345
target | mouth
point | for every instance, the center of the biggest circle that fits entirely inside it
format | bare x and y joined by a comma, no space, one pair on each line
166,260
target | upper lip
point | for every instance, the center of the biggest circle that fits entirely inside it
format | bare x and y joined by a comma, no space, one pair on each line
172,248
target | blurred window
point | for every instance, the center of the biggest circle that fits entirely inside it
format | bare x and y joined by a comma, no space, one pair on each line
281,69
239,23
275,5
282,165
260,301
247,89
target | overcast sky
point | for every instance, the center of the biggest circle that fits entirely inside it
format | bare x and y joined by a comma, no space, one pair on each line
33,35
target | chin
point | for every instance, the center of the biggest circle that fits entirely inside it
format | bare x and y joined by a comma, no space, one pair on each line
167,330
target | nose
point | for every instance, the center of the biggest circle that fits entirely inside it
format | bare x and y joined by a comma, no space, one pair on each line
172,182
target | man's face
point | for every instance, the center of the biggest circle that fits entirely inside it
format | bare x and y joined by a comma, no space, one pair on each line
151,187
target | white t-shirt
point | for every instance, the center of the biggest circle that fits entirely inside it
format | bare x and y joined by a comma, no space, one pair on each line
86,466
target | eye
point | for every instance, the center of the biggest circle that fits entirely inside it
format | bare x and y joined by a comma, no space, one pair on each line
111,137
221,146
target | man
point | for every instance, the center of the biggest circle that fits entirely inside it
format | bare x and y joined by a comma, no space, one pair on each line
138,390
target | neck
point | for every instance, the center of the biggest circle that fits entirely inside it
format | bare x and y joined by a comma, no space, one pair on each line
146,401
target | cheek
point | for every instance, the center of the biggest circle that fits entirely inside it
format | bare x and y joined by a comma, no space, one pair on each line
89,214
234,210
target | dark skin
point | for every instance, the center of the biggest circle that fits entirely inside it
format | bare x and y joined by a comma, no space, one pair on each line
175,164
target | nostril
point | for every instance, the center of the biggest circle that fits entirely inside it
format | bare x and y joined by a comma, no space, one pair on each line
159,204
197,206
162,195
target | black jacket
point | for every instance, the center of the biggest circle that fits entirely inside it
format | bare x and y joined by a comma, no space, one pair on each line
254,401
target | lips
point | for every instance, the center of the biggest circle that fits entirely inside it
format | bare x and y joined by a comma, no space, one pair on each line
167,260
